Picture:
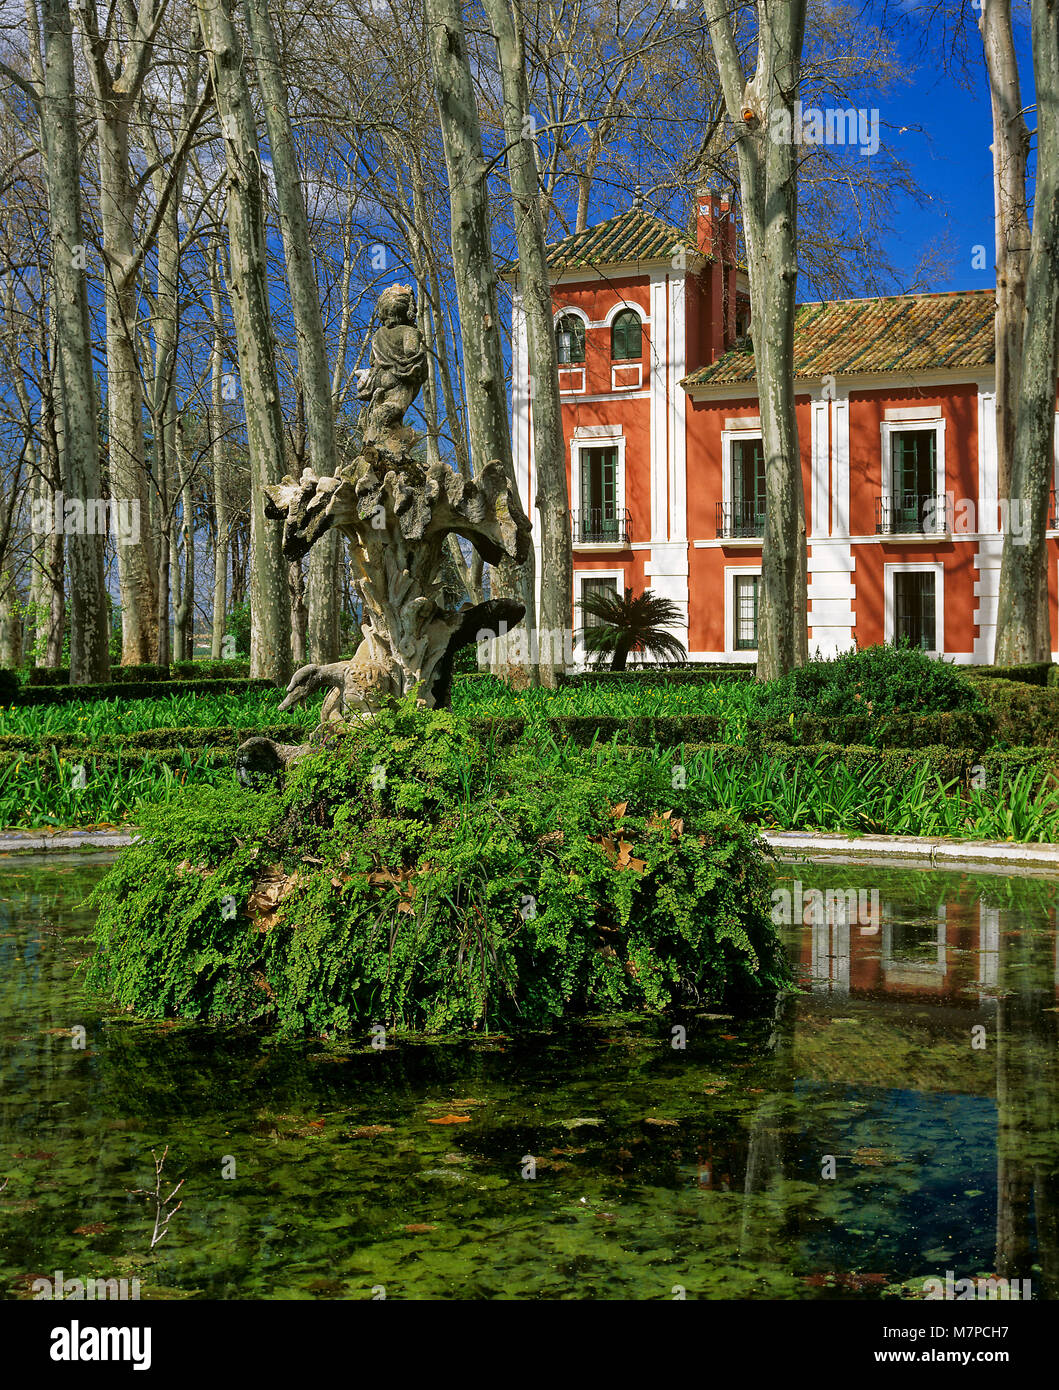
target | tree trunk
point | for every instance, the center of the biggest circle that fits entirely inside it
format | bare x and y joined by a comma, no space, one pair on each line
184,612
126,464
10,622
762,113
218,459
314,377
476,291
549,453
1011,147
1022,636
89,630
248,267
299,615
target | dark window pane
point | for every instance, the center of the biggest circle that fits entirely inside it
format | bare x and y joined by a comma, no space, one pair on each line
570,339
626,336
914,476
915,610
748,487
745,595
596,586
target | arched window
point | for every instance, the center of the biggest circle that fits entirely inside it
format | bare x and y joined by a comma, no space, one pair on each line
626,336
570,339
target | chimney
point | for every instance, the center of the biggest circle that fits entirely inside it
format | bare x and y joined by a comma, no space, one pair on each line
715,235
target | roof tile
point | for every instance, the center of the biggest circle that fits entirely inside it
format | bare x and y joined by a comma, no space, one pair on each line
846,337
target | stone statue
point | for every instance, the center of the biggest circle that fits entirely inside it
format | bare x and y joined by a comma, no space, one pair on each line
397,371
397,512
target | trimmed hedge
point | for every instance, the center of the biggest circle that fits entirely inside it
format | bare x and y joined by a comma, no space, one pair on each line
661,731
178,671
136,690
949,764
1034,673
680,675
950,729
1024,714
146,740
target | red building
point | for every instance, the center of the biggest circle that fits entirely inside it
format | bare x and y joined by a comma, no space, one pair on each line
895,401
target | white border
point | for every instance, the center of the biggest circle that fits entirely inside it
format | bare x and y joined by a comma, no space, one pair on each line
731,650
888,428
935,567
596,437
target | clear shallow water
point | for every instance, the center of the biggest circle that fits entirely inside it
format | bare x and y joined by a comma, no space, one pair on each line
919,1066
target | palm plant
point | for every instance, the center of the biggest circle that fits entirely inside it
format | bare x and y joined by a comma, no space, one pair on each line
630,626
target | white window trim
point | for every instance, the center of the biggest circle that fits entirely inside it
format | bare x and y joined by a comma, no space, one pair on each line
600,437
580,655
937,568
620,307
732,572
888,428
728,436
568,373
571,368
631,365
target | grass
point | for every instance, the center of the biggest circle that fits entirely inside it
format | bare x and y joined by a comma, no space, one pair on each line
190,711
44,792
735,703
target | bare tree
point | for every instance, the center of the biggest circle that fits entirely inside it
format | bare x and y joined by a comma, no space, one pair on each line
761,110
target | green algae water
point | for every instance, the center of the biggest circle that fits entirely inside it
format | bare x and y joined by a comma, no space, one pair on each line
894,1122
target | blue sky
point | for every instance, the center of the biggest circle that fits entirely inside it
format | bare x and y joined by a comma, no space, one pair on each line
950,157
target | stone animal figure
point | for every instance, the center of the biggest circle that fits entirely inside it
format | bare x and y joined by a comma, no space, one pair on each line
353,686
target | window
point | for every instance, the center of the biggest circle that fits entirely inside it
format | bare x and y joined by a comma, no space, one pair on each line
915,609
748,487
598,519
745,611
596,586
570,339
914,457
626,336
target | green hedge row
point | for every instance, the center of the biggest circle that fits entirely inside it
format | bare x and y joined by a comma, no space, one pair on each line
1034,673
896,764
1025,714
951,729
661,731
136,690
176,671
661,675
146,740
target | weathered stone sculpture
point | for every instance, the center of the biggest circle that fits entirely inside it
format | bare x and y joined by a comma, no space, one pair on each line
397,512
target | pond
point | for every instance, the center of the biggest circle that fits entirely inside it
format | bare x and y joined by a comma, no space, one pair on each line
896,1120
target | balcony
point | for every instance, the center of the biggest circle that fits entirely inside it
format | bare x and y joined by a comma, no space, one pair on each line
911,514
743,521
600,526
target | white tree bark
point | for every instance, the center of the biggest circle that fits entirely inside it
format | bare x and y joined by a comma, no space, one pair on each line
322,594
553,499
476,286
89,634
1023,633
248,287
760,109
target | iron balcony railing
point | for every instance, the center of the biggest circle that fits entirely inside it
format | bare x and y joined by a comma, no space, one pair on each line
911,514
600,526
740,521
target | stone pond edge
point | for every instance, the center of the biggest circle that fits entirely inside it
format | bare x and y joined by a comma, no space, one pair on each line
988,855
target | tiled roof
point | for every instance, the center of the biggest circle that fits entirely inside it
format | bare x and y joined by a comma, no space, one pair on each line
904,333
631,236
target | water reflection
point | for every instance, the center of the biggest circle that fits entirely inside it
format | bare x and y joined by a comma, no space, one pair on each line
896,1120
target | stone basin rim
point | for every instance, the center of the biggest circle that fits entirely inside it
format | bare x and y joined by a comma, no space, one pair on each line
992,856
